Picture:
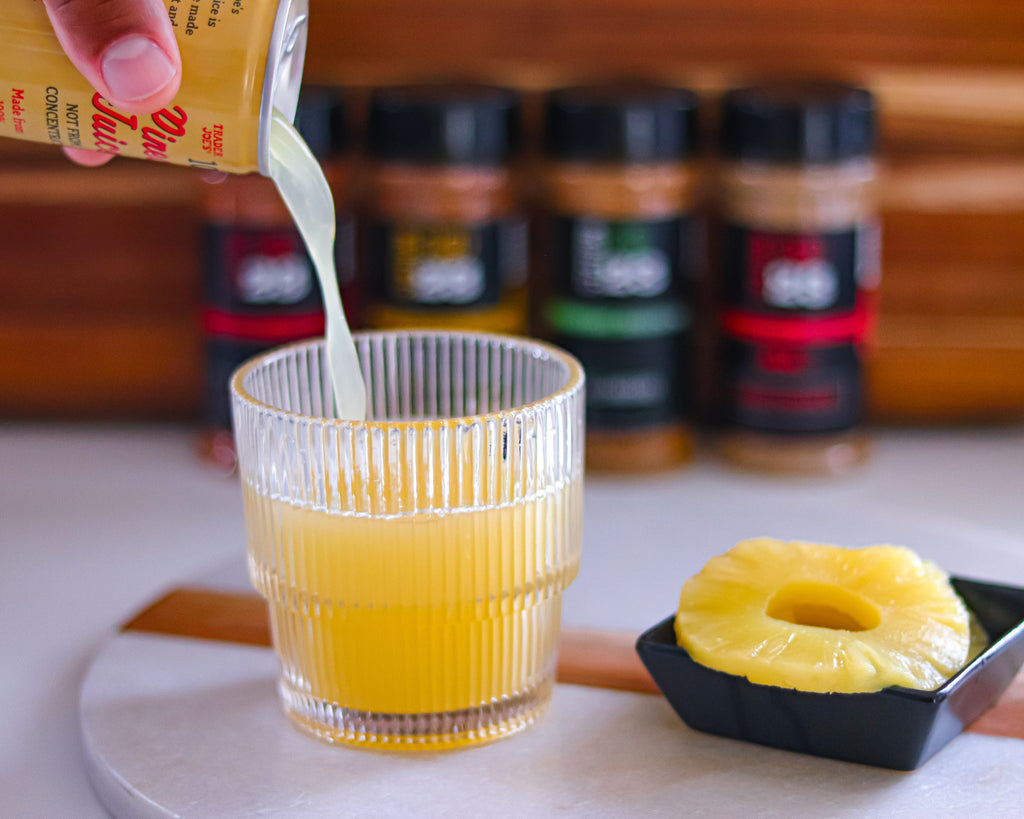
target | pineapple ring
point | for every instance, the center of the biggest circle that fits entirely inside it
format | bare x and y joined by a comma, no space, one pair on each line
822,618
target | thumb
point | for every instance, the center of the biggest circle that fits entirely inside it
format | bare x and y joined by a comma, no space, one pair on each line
124,48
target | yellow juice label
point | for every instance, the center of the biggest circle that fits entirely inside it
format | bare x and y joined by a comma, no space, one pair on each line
214,122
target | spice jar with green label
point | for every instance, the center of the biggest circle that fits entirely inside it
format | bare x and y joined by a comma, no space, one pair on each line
446,242
798,277
623,247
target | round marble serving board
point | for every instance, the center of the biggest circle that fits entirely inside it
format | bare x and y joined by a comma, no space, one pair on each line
186,727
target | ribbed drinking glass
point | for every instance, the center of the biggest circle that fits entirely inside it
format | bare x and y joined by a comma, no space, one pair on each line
414,563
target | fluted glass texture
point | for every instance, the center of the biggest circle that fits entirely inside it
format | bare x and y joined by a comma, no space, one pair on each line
414,563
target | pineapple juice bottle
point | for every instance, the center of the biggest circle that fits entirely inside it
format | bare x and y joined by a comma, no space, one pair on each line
255,50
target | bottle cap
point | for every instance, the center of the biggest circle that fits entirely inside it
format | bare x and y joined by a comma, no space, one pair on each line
437,124
322,121
800,122
632,122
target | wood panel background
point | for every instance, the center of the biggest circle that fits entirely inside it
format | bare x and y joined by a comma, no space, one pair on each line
99,270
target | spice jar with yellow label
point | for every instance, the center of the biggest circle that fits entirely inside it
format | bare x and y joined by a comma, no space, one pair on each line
799,268
446,243
623,248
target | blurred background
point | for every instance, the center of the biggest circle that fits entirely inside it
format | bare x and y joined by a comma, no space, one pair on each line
101,279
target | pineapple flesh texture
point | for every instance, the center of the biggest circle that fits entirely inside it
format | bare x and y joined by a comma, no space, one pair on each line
823,618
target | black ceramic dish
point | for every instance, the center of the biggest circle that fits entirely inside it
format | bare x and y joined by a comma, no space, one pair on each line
897,727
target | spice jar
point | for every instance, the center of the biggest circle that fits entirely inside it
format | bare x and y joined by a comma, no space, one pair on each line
799,268
623,245
260,287
446,242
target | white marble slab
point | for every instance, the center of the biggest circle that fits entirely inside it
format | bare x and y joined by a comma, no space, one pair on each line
192,728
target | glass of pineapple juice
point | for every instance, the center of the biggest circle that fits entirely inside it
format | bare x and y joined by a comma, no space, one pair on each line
414,562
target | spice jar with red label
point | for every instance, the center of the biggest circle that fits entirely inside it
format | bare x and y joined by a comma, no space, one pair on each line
799,268
260,288
446,241
623,251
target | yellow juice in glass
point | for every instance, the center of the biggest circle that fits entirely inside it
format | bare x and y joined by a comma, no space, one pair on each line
434,613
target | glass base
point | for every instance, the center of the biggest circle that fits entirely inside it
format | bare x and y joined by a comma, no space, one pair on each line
336,724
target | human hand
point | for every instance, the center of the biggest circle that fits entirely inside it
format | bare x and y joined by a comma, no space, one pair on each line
125,49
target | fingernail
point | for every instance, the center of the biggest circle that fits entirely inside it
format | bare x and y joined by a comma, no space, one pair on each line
135,68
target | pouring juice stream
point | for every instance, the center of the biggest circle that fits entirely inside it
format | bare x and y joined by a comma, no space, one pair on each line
305,192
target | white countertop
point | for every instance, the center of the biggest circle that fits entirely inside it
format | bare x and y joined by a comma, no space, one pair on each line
97,521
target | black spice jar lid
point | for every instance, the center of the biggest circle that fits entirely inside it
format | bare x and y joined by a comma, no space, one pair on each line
322,120
621,123
812,122
439,124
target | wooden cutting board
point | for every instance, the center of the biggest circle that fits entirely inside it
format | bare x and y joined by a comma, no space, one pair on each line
603,659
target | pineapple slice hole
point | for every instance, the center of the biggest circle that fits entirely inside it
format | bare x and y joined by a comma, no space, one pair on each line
823,605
